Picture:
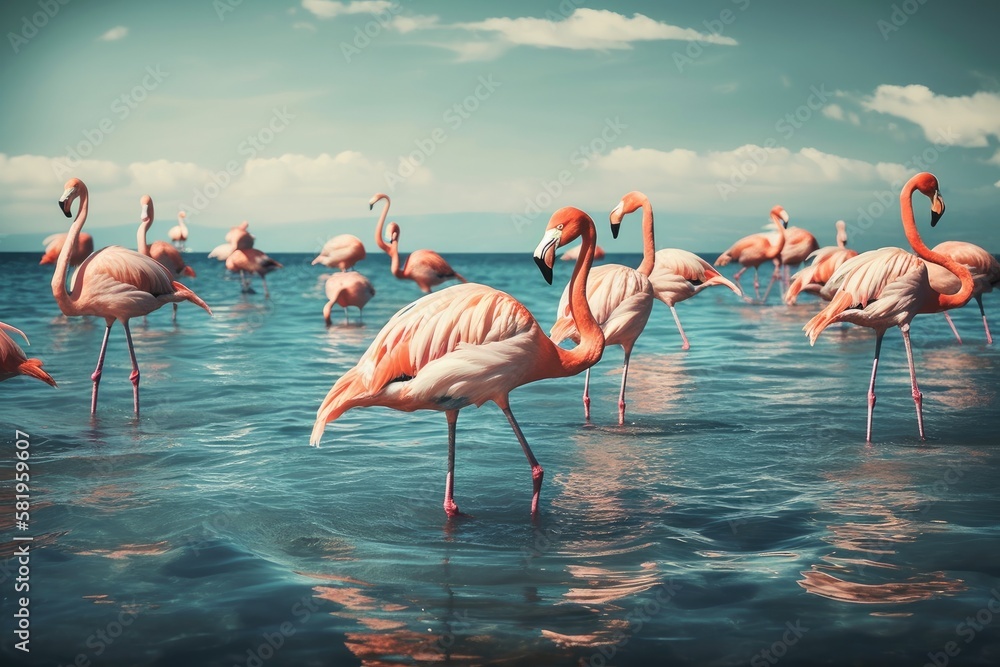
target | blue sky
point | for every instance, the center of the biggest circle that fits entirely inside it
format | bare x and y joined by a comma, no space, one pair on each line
481,118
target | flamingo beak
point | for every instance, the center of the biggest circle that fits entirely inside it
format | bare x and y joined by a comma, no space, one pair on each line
545,253
616,218
145,213
66,202
937,208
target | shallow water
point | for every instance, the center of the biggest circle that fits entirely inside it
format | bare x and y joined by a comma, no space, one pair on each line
738,512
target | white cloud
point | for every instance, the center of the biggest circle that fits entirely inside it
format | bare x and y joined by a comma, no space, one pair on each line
113,35
967,120
590,29
405,24
303,25
328,9
995,159
997,184
808,166
834,111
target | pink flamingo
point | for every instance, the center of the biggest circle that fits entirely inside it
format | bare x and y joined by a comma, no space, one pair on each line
469,344
348,288
985,275
754,250
114,283
825,261
178,234
342,252
799,244
889,287
54,243
620,298
424,267
236,237
163,252
13,360
573,253
678,275
252,260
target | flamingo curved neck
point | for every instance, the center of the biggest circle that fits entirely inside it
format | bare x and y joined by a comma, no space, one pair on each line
591,346
180,221
63,298
936,301
393,251
140,238
378,228
648,241
780,245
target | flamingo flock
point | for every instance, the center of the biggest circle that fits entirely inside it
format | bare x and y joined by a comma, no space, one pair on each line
469,344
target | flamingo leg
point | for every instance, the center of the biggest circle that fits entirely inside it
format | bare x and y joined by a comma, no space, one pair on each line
986,325
96,376
756,284
774,276
347,317
450,508
677,320
134,377
736,276
267,295
947,318
537,473
914,389
586,396
621,393
173,318
871,385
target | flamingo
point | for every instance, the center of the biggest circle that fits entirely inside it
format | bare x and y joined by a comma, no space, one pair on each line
424,267
620,297
342,251
251,260
348,288
889,287
114,283
54,243
13,360
756,249
799,244
678,275
163,252
236,237
824,262
985,274
178,234
469,344
574,252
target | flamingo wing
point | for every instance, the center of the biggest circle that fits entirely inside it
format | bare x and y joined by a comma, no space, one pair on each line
128,268
679,274
880,288
984,266
621,300
428,265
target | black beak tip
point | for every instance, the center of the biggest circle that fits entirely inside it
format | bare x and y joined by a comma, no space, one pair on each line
371,206
545,269
615,228
65,209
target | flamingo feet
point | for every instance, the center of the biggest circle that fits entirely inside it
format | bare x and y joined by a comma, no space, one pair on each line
537,474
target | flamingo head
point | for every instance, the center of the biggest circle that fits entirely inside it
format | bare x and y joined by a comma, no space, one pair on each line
146,202
779,214
927,183
393,231
74,188
841,232
631,202
181,215
565,226
375,198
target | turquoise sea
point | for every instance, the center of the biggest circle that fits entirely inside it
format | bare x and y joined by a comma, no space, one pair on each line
738,518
